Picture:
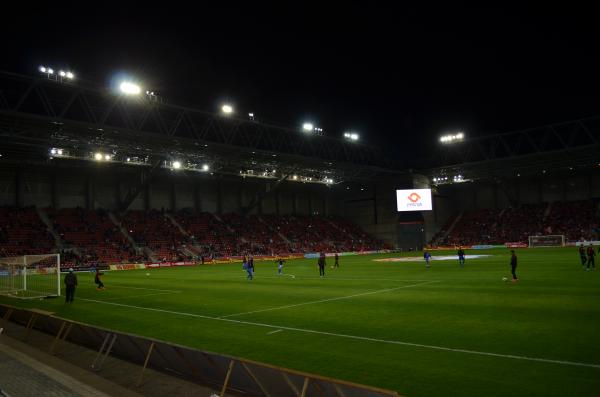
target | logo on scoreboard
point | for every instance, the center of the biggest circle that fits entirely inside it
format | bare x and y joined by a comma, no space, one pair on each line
414,197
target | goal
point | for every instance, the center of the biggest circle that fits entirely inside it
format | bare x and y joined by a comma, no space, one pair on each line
30,276
556,240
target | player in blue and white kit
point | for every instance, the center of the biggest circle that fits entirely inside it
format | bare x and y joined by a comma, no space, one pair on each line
248,269
427,257
280,266
461,256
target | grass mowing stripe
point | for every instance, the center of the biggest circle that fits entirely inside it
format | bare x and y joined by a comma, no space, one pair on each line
147,289
355,337
329,300
139,296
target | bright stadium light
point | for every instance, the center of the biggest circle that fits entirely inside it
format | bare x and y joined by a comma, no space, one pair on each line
49,71
251,116
129,88
98,156
308,127
176,165
205,167
107,157
43,69
62,73
353,136
227,109
70,75
451,138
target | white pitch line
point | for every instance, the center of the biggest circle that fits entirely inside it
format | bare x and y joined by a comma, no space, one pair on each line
355,337
330,299
274,332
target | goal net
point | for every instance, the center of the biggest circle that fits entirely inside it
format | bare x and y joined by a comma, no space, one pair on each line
30,276
557,240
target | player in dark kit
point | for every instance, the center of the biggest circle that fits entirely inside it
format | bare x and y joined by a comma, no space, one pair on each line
337,261
70,284
322,264
590,258
513,266
98,280
582,255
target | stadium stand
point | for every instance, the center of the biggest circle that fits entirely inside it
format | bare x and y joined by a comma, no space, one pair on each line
92,235
153,230
575,219
22,232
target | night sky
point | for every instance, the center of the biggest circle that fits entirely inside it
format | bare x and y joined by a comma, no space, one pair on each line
399,76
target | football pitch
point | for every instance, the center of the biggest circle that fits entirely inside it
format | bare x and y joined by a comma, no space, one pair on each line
445,330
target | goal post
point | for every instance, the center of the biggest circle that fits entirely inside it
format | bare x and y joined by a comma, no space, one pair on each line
555,240
30,276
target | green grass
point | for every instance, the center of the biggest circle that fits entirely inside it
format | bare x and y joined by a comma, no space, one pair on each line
552,313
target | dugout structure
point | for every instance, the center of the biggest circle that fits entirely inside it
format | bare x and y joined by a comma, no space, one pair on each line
30,276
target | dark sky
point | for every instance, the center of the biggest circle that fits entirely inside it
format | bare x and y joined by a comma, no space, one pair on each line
401,76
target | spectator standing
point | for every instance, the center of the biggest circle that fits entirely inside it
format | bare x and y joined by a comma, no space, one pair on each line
70,284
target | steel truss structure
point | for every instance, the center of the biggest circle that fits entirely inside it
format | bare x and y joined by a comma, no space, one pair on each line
561,146
37,114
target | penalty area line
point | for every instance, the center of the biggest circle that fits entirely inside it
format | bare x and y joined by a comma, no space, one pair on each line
354,337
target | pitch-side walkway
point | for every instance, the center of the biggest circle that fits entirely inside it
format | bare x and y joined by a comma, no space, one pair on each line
23,375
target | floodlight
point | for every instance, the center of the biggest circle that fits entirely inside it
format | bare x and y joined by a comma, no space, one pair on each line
107,157
227,109
98,156
62,73
295,177
59,152
128,159
52,151
205,167
42,69
176,165
307,127
346,135
129,88
452,138
50,71
251,115
70,75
